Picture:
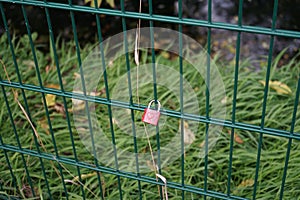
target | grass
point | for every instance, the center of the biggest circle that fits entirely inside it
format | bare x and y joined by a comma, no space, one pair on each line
245,147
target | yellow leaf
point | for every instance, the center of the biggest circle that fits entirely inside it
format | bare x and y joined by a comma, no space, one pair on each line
246,183
84,176
111,3
92,3
50,99
165,54
263,83
279,87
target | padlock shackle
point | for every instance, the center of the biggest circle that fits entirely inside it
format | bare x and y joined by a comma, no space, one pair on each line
154,101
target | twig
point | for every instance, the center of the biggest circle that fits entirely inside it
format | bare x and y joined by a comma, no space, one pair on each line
26,115
22,108
76,179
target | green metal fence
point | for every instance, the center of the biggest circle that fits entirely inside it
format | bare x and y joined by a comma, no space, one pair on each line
11,189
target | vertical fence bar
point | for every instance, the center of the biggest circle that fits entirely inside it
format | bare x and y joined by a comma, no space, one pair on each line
289,146
155,89
207,95
103,64
236,77
181,96
180,29
43,95
14,182
52,40
87,105
18,142
23,94
130,95
25,102
274,18
1,185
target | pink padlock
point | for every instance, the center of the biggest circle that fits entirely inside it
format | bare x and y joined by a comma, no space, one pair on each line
151,116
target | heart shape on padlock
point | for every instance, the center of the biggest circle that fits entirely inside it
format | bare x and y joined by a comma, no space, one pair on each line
150,115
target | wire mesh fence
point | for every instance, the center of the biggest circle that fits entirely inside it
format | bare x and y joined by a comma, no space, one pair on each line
45,153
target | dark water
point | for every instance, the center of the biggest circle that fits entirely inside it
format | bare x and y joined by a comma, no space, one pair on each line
255,13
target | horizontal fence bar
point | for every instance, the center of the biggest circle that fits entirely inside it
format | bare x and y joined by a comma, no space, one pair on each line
203,119
161,18
107,170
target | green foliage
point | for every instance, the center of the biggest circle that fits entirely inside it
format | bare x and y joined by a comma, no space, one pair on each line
248,110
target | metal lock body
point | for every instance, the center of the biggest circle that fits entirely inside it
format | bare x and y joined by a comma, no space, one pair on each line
151,116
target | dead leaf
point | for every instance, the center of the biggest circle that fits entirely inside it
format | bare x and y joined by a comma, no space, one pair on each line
114,121
111,3
50,100
224,100
79,104
70,181
76,75
47,69
77,108
237,138
43,123
246,183
59,108
84,176
279,87
189,136
53,86
92,3
165,54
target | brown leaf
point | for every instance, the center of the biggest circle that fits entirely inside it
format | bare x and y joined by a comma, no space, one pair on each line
59,108
47,69
237,138
43,123
246,183
53,86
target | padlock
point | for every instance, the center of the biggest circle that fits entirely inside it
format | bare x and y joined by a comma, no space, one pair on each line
151,116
